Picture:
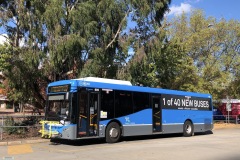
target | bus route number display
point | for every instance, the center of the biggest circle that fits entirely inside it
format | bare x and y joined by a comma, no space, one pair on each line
185,102
62,88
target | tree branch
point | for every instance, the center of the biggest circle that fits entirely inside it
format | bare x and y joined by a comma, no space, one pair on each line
72,7
119,29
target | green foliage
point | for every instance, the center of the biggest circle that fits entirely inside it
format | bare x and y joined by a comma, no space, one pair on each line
51,40
12,127
159,60
9,106
211,48
10,122
6,57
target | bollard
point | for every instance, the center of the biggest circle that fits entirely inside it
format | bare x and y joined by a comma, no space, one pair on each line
1,133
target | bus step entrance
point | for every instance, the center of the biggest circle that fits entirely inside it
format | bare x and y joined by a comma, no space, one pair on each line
82,134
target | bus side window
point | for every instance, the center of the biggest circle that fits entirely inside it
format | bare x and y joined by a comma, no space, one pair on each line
107,103
123,103
140,101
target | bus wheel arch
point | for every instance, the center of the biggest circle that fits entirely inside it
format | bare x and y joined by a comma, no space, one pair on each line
188,128
113,131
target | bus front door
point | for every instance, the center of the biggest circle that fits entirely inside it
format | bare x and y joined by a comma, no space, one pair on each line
156,113
88,114
93,113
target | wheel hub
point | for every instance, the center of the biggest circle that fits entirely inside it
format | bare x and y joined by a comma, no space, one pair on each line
188,128
113,132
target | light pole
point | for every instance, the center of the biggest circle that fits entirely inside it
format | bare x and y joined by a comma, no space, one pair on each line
228,107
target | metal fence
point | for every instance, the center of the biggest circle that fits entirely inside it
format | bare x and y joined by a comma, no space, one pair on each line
28,126
19,126
227,119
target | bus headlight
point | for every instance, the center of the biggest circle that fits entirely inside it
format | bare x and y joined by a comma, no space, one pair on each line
62,122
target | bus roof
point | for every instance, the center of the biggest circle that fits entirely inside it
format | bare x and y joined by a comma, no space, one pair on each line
120,85
105,80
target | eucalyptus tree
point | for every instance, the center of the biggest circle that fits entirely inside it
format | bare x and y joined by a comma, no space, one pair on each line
122,25
144,37
231,57
215,52
59,39
20,21
212,48
160,62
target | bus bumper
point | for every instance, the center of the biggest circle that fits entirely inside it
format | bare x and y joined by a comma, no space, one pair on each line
53,129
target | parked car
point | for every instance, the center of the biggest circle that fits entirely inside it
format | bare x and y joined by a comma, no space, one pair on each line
217,114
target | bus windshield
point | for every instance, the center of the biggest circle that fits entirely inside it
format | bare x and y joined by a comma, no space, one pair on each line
57,110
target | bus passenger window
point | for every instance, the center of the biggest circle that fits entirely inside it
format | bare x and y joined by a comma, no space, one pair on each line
140,101
107,103
123,103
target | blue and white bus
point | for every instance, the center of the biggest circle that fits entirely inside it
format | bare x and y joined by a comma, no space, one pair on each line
105,108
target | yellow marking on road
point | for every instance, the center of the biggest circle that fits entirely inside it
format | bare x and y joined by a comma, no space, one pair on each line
20,149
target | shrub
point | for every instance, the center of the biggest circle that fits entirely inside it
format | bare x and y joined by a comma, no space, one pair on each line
9,123
9,106
12,127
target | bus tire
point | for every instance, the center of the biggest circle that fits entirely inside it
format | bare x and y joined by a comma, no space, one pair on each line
187,129
113,132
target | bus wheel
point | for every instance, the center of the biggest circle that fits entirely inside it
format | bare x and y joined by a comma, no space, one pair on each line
113,133
188,129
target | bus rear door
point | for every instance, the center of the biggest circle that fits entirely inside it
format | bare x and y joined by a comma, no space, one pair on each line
156,113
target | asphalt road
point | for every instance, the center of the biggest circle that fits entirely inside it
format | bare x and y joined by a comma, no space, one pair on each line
223,144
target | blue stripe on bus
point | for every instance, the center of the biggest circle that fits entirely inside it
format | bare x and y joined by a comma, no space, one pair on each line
168,117
141,117
179,116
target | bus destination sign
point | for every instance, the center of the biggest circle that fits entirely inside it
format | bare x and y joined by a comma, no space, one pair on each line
185,102
62,88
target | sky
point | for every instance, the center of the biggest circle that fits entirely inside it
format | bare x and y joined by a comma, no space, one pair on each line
227,9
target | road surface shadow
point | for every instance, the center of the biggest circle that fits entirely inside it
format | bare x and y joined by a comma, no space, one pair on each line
93,141
78,142
203,133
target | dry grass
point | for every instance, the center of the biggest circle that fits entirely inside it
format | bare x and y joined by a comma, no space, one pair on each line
225,125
